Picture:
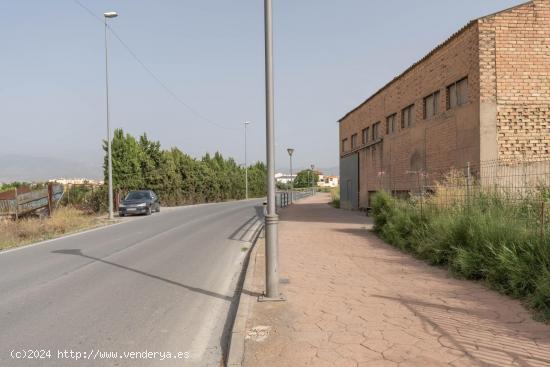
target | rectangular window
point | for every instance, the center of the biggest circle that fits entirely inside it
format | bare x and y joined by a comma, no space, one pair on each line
431,105
365,135
390,123
457,93
344,145
407,116
375,132
354,141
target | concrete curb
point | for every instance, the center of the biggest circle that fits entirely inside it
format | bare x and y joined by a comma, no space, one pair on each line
235,355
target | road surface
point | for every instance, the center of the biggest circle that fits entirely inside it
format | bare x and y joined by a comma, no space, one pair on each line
149,286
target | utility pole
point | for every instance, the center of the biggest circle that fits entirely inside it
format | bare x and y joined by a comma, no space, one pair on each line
106,16
246,123
312,178
271,219
308,179
290,152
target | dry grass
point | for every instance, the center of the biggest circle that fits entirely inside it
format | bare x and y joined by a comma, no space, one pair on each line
64,220
451,190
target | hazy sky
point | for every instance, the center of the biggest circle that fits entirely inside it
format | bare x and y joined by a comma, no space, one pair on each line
329,56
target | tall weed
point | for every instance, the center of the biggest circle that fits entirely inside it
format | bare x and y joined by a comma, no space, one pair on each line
487,237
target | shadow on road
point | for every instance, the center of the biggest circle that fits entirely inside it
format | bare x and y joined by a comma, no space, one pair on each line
78,252
225,339
243,233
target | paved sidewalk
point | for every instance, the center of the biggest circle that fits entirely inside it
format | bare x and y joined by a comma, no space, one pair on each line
355,301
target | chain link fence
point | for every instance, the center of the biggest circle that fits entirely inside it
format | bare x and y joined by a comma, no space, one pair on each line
519,188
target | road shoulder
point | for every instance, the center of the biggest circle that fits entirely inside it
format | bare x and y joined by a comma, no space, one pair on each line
246,298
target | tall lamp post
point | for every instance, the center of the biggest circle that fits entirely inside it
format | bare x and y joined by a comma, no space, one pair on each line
246,123
108,15
312,179
271,218
290,151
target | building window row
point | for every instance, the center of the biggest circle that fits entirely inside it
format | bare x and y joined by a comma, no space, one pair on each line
456,95
372,133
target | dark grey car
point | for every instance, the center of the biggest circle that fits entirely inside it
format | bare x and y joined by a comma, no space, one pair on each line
139,202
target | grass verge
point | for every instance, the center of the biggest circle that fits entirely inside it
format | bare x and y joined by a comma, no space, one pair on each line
28,230
487,239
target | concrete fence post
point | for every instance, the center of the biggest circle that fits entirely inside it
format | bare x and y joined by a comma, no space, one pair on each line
542,221
50,198
16,205
468,184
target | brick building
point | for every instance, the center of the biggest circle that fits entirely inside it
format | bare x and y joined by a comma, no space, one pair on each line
484,94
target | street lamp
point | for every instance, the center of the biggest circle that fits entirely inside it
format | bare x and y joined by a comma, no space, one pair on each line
312,179
271,218
290,151
246,123
107,15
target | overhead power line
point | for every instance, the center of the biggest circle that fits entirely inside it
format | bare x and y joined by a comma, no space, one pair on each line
151,74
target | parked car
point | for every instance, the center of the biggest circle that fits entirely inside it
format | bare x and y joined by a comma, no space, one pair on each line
139,202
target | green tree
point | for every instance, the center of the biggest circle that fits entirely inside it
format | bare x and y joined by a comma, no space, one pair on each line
170,184
126,155
151,161
257,180
306,178
177,177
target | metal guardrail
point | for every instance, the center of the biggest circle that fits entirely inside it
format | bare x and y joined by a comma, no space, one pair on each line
285,198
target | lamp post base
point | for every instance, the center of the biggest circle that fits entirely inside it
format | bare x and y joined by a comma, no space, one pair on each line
264,298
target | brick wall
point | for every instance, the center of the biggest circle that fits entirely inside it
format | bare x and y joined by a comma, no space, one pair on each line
515,75
451,138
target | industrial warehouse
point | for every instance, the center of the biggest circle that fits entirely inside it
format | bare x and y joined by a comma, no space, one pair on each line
481,96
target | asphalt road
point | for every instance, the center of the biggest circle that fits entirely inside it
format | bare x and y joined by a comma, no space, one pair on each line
158,284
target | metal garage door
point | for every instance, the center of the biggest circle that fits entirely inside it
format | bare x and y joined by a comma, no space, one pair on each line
349,182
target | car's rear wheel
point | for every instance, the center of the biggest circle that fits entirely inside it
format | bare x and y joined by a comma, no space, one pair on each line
158,209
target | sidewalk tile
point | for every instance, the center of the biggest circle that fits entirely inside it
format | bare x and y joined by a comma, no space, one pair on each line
353,300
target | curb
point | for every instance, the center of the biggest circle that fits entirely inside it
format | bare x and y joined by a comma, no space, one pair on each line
235,355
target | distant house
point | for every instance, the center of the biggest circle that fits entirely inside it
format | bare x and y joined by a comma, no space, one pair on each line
77,181
328,181
284,178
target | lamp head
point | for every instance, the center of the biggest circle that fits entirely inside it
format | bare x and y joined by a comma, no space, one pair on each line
110,14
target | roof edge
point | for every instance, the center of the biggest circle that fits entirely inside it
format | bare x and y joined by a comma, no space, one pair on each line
505,10
434,50
425,57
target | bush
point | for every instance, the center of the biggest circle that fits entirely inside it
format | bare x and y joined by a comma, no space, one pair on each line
335,197
487,238
394,220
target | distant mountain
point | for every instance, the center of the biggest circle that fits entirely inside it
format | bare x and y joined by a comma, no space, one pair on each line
14,167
